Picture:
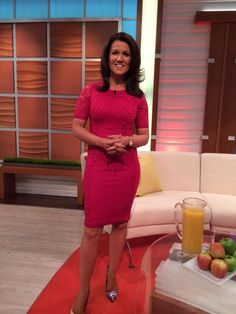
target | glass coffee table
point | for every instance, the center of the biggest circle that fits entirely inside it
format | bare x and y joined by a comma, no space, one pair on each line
173,287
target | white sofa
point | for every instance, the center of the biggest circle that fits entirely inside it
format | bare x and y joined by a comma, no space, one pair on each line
209,176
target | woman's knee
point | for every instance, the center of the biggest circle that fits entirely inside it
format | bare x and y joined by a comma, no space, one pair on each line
92,233
120,226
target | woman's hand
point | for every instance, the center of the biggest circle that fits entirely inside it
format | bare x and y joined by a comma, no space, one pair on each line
113,144
117,146
107,143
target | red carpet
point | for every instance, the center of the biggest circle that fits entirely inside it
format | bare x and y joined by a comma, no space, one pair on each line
59,294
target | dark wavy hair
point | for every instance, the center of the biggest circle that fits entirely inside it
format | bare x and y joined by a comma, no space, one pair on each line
134,75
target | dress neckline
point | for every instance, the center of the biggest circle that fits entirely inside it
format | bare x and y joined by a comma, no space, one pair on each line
115,91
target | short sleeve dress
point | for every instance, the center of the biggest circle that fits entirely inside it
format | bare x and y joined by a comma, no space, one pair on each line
110,182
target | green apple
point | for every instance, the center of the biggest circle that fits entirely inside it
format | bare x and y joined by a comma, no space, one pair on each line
229,245
231,262
234,255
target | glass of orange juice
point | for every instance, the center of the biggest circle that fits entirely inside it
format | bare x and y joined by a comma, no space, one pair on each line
193,211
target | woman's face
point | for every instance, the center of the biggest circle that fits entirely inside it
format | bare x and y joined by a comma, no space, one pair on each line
119,58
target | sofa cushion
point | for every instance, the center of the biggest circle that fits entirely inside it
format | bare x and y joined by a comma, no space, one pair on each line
142,231
177,170
149,179
218,173
223,209
158,208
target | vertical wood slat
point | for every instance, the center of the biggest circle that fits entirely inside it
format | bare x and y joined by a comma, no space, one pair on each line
139,21
214,87
228,118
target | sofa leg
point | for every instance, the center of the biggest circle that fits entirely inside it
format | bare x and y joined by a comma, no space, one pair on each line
131,265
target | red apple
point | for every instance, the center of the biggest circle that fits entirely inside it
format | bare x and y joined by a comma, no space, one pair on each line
219,268
216,250
204,260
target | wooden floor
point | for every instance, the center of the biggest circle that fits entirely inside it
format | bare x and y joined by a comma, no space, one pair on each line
35,241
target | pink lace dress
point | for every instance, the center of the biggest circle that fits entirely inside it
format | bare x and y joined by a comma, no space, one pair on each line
110,182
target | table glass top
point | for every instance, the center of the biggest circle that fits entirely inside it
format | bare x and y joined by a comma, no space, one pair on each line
163,266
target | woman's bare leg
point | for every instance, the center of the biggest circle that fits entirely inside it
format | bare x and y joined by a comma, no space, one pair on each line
88,256
116,246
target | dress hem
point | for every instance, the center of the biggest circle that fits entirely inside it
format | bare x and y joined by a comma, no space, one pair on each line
115,221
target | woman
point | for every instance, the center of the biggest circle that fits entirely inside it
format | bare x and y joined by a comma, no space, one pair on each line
118,116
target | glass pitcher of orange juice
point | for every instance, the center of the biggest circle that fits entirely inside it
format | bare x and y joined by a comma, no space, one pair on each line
193,211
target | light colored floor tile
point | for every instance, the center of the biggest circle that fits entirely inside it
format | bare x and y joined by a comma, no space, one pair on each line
34,243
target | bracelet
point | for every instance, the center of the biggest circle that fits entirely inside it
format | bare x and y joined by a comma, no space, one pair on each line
130,141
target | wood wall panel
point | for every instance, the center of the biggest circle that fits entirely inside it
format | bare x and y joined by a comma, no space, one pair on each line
6,40
33,112
215,84
92,72
50,72
33,145
66,77
7,112
228,116
6,138
97,34
31,40
66,39
62,111
32,77
220,109
216,16
6,77
65,146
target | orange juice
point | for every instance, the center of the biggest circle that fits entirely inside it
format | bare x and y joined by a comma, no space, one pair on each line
193,220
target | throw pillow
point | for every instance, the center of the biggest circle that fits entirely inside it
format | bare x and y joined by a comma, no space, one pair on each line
149,179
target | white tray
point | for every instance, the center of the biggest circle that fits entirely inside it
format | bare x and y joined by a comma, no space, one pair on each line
192,265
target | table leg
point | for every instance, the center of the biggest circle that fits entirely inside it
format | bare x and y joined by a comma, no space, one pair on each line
7,185
80,191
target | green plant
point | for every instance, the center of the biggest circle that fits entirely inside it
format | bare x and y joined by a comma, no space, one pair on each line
42,161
